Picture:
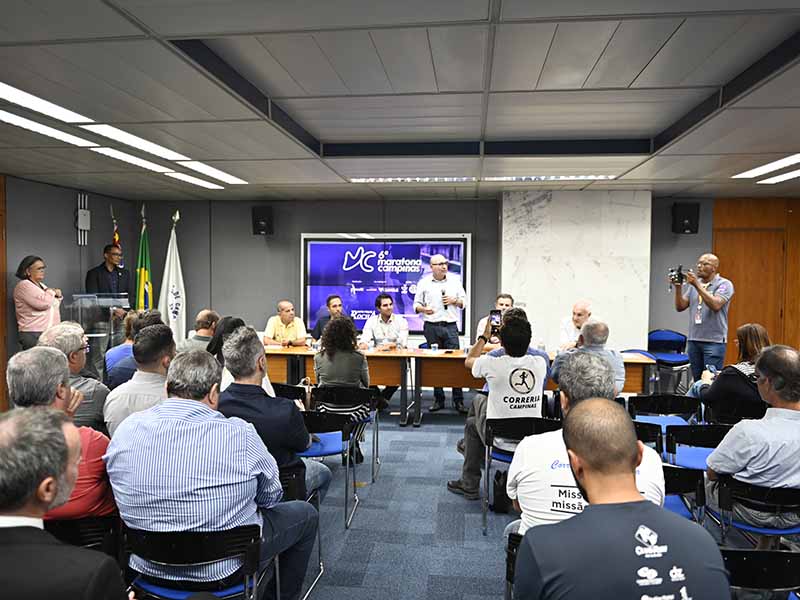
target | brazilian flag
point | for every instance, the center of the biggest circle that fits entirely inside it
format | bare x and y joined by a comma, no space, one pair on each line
144,284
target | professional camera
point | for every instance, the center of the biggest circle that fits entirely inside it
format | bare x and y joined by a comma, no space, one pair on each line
676,276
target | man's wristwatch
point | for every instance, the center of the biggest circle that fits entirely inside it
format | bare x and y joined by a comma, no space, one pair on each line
484,338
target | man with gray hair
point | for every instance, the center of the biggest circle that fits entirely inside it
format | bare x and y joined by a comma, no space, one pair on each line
205,324
278,421
40,377
592,339
39,455
183,466
539,479
69,337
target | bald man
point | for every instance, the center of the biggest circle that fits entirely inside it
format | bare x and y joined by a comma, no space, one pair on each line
571,326
707,295
440,298
205,324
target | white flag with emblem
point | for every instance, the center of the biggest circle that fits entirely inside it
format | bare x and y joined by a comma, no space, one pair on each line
172,300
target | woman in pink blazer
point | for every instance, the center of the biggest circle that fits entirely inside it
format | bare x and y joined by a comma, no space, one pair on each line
37,305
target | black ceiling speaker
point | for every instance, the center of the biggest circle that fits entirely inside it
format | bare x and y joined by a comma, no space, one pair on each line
685,217
263,221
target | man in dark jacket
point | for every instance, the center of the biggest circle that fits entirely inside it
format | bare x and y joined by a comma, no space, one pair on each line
39,453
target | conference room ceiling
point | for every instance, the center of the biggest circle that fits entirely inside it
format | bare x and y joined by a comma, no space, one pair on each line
299,98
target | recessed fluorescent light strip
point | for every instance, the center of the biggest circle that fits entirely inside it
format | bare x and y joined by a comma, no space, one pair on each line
535,178
769,167
413,179
29,101
18,121
194,180
212,172
782,177
134,141
130,158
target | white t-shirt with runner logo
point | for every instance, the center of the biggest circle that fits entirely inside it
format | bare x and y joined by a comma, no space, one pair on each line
516,384
540,479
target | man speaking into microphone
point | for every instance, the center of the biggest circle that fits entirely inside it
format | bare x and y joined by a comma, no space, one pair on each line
439,299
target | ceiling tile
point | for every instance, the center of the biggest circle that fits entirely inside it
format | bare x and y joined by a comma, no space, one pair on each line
18,161
355,60
302,58
781,90
528,166
278,171
519,54
698,167
406,56
574,52
634,44
407,166
459,54
45,20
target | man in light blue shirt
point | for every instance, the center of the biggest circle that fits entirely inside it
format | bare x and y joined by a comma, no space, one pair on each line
183,466
593,338
764,451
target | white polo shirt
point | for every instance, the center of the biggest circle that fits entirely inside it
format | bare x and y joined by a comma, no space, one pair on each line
540,479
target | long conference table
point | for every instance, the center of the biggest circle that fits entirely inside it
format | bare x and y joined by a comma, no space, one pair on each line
439,368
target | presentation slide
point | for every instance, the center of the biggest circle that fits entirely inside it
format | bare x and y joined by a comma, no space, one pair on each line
359,270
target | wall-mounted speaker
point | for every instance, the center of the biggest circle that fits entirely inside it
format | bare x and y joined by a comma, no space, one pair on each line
263,221
685,217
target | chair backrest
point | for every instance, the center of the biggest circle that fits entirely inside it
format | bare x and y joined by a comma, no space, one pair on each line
516,429
292,392
97,533
324,422
345,396
293,482
514,540
777,570
765,499
666,340
700,436
662,404
650,433
678,480
181,548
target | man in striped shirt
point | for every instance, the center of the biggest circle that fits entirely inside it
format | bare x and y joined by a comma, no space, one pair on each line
183,466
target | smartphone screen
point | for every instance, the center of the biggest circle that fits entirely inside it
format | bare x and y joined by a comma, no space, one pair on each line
494,318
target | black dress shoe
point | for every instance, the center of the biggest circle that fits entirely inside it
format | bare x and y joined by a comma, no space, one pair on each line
436,406
460,408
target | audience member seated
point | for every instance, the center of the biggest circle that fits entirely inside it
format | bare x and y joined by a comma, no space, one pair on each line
278,421
40,377
502,303
340,364
184,466
225,327
540,482
284,329
204,325
385,331
334,305
126,367
732,395
593,338
516,382
153,349
39,455
69,337
764,451
620,546
571,326
125,349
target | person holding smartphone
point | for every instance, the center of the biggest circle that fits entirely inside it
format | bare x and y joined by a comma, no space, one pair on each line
440,298
501,304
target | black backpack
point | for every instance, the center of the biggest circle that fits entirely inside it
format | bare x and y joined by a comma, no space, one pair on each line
502,503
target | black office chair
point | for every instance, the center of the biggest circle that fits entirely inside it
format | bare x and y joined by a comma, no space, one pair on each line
695,441
677,483
776,570
97,533
335,433
513,430
650,434
292,392
294,488
663,409
769,500
514,541
199,547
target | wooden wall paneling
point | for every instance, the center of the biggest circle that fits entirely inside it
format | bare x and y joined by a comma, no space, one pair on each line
791,304
749,213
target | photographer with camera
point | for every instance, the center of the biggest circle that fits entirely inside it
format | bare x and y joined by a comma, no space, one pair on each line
707,295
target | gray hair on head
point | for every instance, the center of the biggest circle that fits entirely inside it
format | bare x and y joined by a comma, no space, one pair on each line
192,374
595,333
34,375
586,375
66,336
241,351
32,448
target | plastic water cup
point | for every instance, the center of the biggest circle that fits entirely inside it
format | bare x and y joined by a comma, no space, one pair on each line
435,347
